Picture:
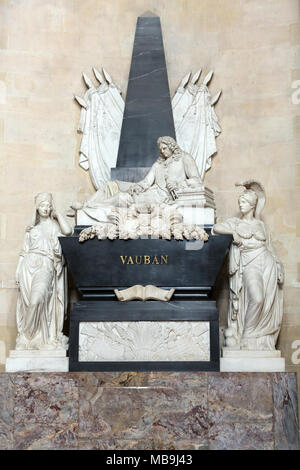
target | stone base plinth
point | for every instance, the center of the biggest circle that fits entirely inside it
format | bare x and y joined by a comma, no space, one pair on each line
239,353
37,361
242,360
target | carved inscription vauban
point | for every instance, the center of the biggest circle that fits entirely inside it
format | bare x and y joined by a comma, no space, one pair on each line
144,259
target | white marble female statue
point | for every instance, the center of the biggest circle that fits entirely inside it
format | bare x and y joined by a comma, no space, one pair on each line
40,277
255,276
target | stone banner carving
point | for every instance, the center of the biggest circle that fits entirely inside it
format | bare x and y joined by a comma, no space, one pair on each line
195,120
100,123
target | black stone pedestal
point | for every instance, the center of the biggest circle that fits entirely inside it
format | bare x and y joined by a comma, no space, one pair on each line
99,267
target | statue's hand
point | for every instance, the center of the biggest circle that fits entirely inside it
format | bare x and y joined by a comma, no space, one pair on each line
131,190
172,186
18,270
194,182
135,189
17,278
236,239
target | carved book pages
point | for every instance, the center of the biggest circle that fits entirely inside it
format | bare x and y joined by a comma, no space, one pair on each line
144,293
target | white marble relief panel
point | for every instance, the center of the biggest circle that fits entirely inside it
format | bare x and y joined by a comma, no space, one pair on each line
144,341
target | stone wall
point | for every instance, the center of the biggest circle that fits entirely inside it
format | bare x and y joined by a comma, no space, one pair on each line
253,46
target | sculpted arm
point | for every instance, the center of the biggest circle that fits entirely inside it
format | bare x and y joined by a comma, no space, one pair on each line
148,180
227,228
191,171
64,225
223,228
144,184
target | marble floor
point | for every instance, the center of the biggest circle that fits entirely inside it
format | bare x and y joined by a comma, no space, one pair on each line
151,410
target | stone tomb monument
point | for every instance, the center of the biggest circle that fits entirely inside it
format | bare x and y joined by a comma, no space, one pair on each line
144,255
141,255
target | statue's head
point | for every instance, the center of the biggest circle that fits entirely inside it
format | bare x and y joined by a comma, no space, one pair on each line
247,201
253,197
43,204
43,208
167,146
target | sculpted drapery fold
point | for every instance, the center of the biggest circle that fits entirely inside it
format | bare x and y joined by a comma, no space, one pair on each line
195,120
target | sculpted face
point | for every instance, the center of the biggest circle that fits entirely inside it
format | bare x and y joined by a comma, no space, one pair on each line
165,151
44,209
246,204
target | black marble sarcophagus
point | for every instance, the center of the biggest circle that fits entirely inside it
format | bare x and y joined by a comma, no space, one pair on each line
99,267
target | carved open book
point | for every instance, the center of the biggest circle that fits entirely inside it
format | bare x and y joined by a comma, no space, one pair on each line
144,293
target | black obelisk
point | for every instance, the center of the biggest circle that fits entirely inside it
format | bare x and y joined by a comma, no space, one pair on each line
148,110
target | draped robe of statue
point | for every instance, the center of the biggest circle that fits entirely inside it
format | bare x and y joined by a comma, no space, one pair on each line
256,301
41,272
100,124
196,123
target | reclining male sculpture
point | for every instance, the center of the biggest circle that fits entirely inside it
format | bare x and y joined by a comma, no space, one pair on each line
174,172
